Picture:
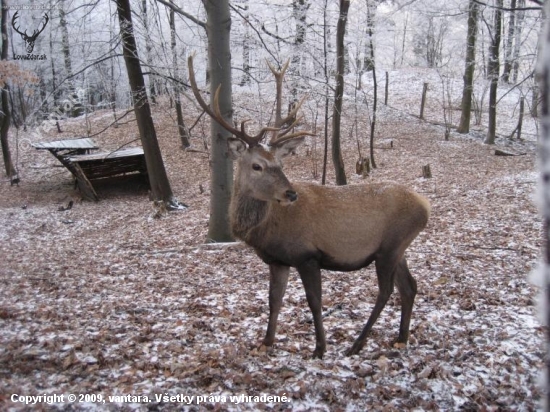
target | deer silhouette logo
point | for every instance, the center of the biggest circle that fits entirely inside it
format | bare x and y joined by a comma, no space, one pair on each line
29,40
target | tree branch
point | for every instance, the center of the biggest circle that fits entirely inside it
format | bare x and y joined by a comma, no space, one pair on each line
508,8
253,28
183,13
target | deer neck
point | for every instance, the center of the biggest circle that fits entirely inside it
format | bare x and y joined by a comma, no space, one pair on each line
247,216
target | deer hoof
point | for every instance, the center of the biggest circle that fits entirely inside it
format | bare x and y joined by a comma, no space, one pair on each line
262,349
399,345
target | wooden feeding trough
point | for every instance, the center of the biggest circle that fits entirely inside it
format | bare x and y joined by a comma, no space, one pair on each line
76,155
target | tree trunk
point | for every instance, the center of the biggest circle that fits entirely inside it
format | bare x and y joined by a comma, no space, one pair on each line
493,70
339,94
326,37
467,90
5,117
182,128
158,179
299,9
544,164
370,24
509,43
65,45
218,26
517,41
56,90
148,54
246,49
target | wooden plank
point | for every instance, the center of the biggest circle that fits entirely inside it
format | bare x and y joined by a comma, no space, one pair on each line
85,186
68,144
123,153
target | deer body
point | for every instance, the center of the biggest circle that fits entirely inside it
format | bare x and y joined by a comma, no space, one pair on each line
341,227
313,227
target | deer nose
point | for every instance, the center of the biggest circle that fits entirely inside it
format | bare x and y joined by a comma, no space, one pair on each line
291,195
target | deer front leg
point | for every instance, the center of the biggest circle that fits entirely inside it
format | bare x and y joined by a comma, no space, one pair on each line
278,279
310,273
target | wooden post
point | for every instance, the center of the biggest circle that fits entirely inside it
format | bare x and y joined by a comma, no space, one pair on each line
521,111
426,172
386,89
423,102
362,166
535,101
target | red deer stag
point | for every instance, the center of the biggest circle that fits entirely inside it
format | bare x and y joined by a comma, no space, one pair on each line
312,227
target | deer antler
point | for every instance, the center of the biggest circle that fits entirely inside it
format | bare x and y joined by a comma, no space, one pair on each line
291,116
15,17
215,112
37,32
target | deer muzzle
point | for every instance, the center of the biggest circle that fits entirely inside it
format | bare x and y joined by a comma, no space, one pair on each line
291,195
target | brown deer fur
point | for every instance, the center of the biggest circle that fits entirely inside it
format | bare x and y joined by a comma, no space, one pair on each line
312,227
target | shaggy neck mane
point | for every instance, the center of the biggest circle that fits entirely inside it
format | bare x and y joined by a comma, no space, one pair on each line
247,214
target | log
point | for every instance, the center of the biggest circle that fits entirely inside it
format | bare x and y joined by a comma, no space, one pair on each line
499,152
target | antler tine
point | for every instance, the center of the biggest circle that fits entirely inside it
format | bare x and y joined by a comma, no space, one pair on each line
14,18
290,137
47,19
289,128
241,134
292,114
278,73
282,136
215,113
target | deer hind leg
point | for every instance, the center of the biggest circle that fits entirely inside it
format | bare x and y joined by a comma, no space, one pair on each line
406,285
310,273
278,279
385,271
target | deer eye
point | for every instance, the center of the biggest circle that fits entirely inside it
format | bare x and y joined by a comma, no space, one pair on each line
257,167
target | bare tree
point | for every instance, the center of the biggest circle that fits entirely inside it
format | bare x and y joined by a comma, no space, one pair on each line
467,90
339,94
299,10
182,128
509,42
493,71
519,21
544,164
372,65
158,179
218,25
148,50
65,44
5,116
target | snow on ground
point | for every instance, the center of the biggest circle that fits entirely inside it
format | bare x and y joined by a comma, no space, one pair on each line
103,299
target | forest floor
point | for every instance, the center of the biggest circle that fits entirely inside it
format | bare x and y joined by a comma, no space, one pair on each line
105,299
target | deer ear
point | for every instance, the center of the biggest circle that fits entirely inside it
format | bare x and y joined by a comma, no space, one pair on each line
287,147
236,148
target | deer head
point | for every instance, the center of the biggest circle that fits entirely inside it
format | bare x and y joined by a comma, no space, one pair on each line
259,166
29,40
